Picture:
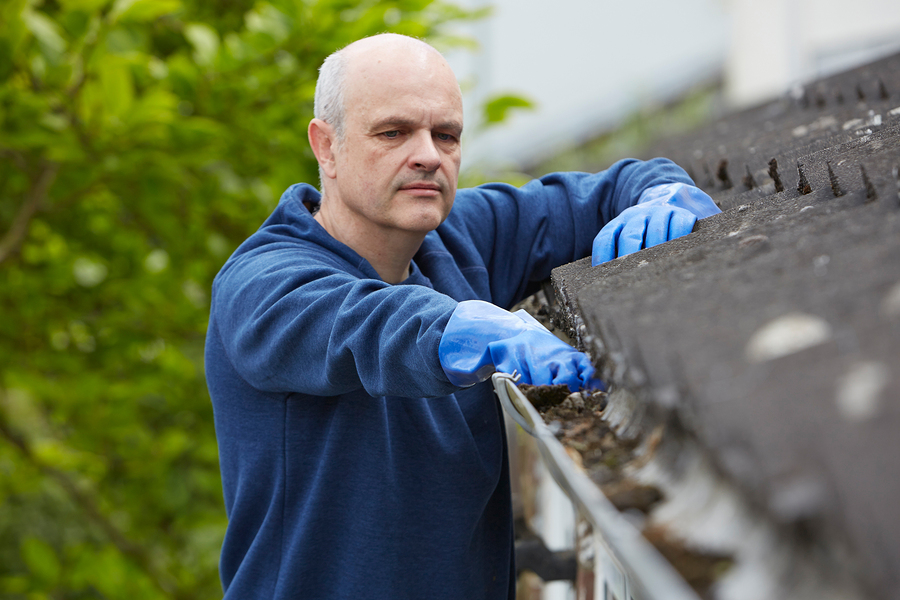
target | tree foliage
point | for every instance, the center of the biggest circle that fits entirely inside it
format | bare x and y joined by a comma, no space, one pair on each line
140,142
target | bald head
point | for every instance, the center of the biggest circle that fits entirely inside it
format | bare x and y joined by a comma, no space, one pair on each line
366,62
387,43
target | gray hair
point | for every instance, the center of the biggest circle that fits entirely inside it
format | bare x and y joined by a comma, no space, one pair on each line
329,99
328,103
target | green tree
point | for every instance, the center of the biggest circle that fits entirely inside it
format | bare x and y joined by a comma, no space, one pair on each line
140,142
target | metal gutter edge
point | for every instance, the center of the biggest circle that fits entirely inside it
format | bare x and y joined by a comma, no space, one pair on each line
648,573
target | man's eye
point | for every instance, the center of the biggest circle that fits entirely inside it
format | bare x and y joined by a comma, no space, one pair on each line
445,137
391,134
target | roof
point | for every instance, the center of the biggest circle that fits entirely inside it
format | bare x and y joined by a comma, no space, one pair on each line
770,337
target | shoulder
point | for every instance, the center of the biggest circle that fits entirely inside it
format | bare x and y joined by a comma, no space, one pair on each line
290,238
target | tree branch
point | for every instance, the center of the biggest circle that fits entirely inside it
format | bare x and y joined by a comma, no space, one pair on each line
17,158
35,198
136,553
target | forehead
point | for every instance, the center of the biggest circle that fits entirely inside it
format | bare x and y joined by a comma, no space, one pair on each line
407,83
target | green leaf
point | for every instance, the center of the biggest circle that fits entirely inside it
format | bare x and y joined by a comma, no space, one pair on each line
83,5
47,33
41,560
54,121
14,585
6,59
268,20
156,107
142,11
497,109
111,573
116,86
125,40
205,41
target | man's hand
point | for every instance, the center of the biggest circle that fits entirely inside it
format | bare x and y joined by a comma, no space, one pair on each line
663,212
481,338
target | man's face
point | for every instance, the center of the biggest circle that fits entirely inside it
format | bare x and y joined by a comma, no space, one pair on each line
398,165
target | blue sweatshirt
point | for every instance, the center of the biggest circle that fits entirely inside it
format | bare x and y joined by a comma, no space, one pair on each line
351,467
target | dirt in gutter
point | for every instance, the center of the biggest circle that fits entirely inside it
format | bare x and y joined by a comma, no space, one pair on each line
577,421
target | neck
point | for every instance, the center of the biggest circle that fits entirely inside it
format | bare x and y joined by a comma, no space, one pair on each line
388,251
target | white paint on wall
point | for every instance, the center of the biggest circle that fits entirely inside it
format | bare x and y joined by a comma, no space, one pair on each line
587,64
780,43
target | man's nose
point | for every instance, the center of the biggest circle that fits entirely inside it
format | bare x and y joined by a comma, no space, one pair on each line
424,154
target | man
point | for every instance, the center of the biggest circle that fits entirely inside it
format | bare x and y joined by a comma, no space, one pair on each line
363,454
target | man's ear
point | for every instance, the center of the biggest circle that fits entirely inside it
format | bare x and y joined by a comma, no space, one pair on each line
322,141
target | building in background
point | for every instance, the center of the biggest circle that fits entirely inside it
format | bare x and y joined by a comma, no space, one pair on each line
588,64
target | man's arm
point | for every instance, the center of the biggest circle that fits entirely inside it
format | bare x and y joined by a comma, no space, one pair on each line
288,325
291,324
524,233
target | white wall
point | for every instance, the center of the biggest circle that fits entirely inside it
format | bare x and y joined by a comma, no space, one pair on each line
587,64
778,43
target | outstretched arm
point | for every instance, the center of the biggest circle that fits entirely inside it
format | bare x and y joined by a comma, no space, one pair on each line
295,324
524,233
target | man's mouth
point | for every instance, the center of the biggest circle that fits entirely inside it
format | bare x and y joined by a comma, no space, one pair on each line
421,185
423,189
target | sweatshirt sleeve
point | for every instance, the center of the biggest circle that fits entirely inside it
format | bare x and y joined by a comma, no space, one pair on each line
524,233
293,323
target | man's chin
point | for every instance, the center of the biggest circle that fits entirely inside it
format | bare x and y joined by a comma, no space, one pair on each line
424,226
425,221
424,214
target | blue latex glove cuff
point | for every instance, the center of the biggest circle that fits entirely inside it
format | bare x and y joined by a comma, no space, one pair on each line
481,338
683,196
663,212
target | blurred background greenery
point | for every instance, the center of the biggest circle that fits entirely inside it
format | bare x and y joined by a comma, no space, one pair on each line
140,142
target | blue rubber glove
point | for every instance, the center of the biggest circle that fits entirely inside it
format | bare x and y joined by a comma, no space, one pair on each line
481,338
663,212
